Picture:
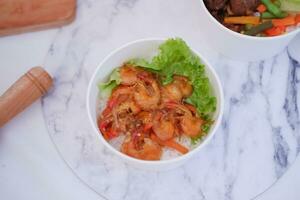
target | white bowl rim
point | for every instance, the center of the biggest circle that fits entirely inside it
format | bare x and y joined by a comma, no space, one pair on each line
157,162
294,32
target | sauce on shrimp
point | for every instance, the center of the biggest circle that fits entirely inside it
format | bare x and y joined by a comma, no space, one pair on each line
149,114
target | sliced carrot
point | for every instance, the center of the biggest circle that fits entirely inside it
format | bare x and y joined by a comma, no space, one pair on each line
261,8
287,21
242,20
274,31
171,144
297,19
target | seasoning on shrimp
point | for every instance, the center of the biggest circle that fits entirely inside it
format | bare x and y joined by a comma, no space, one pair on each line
150,115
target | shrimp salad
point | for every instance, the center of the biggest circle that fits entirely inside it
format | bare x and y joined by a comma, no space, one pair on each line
153,107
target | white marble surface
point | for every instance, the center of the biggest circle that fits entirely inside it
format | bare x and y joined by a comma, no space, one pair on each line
259,136
257,143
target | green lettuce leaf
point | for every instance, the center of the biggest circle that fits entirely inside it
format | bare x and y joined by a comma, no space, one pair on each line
175,57
114,81
140,62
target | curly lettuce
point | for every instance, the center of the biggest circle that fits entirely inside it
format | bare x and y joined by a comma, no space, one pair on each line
107,87
175,57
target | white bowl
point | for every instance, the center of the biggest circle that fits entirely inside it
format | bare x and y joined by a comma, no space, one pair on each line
238,46
146,48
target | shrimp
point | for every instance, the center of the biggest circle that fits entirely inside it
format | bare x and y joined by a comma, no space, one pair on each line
183,84
147,94
120,94
129,74
128,107
177,90
146,150
163,126
188,122
178,109
122,101
146,119
122,107
171,92
145,116
191,126
123,114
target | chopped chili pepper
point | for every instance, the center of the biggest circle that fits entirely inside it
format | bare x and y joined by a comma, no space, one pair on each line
277,30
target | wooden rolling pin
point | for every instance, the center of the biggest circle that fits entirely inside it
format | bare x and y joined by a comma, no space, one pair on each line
27,89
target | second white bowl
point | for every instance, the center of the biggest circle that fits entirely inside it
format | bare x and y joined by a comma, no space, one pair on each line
238,46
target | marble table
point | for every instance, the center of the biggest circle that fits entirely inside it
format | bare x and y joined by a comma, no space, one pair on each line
258,140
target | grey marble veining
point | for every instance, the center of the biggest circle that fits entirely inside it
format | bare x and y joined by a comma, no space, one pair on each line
257,142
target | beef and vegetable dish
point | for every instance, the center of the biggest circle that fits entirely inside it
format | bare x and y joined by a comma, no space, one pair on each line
257,17
154,107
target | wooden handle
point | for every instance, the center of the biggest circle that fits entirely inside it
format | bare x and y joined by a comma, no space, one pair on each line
31,86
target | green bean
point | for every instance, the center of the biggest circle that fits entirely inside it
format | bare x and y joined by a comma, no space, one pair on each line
272,8
259,28
268,15
248,26
283,14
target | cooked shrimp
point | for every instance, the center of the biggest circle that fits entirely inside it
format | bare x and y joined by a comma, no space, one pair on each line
179,109
147,119
163,126
122,114
147,94
191,126
129,74
171,92
177,90
147,150
183,84
128,107
145,116
120,94
122,106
